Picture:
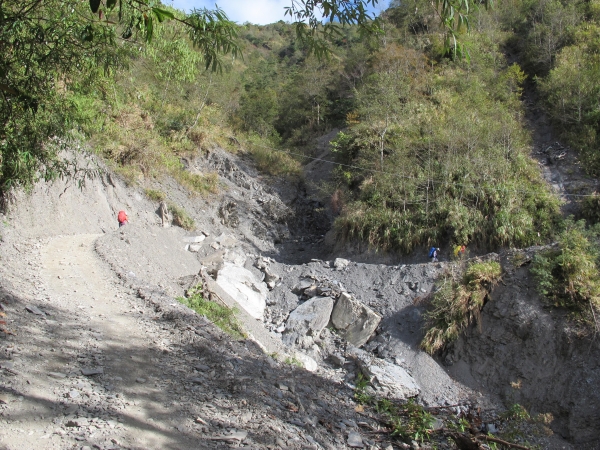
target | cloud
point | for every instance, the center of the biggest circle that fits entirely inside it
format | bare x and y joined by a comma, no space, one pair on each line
241,11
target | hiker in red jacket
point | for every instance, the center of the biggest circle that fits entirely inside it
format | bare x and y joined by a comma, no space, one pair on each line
122,218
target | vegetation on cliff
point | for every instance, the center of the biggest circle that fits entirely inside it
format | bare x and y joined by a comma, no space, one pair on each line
567,274
457,302
434,147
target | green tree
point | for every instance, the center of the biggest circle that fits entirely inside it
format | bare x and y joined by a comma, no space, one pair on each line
46,46
258,103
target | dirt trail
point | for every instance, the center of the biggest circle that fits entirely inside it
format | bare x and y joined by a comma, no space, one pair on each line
96,326
112,318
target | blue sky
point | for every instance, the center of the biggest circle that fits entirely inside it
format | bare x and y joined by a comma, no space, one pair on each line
253,11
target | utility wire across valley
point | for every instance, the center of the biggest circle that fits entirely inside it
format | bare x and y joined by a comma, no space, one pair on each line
464,185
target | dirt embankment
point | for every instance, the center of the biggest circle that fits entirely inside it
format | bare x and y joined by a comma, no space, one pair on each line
530,354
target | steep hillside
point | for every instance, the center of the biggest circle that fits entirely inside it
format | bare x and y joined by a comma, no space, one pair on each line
533,356
98,353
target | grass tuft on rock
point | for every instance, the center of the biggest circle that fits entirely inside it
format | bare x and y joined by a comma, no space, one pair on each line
181,218
155,195
200,184
457,303
220,315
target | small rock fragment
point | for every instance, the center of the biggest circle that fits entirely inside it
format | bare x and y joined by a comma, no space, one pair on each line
35,310
308,363
337,359
355,440
236,436
340,263
57,375
73,394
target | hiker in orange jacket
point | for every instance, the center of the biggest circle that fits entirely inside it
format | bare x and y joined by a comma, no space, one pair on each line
122,218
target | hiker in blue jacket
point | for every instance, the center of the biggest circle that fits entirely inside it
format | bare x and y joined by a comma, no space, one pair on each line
433,254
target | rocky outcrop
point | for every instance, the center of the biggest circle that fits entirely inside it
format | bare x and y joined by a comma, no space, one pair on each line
248,292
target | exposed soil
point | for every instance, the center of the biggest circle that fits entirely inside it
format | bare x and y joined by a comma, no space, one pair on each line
158,376
558,163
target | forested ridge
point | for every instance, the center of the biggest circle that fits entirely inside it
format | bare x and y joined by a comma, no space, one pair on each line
433,144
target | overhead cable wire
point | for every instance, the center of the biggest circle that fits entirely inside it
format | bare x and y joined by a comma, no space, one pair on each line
398,175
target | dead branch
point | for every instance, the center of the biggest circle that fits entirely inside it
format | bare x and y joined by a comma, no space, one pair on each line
500,441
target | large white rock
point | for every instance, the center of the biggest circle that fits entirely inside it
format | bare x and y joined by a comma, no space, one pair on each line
307,321
354,321
388,379
308,363
246,290
340,263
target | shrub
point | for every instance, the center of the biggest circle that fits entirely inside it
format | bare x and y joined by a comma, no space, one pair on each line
181,218
360,393
221,316
293,361
590,208
458,303
155,195
568,275
271,160
198,183
410,421
416,423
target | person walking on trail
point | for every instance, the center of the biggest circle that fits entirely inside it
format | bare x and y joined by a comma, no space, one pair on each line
459,251
122,218
433,254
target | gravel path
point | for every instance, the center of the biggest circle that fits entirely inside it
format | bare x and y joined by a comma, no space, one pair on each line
89,326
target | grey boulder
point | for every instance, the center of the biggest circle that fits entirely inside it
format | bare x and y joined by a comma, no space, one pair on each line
387,379
354,321
307,320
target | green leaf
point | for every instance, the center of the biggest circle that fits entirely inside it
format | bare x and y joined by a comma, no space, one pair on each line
149,27
110,4
162,14
94,5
